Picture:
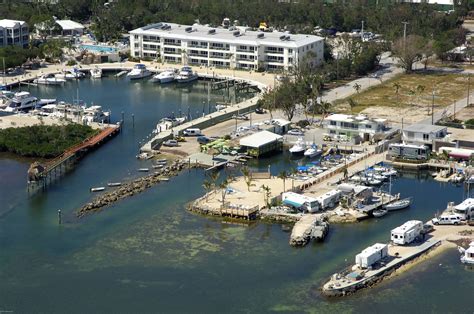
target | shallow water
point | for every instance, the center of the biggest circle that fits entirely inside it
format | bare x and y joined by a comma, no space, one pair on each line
148,254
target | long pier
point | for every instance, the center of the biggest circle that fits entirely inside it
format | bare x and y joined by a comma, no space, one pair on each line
55,167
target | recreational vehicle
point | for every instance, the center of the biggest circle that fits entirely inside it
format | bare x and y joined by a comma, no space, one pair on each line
301,202
408,151
407,233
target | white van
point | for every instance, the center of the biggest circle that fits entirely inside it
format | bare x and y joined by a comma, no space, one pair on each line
192,132
447,220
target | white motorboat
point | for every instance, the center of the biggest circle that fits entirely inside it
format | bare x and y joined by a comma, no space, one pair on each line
96,72
313,151
95,114
49,79
379,212
400,204
76,73
389,173
167,76
139,71
64,76
299,147
97,189
23,101
221,107
371,181
168,123
186,75
467,256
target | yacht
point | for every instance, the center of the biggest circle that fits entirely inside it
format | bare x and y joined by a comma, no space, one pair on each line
467,256
139,71
96,72
313,151
168,123
167,76
299,147
186,75
49,79
64,76
23,101
95,114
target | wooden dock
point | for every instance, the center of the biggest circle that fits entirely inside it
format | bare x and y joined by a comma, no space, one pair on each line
55,167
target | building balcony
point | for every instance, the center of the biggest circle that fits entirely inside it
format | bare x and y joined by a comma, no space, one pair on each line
219,48
197,46
173,44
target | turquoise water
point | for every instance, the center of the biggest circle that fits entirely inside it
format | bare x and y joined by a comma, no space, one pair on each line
148,254
98,48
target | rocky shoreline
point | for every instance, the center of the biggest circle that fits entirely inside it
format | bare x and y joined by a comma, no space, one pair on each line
131,188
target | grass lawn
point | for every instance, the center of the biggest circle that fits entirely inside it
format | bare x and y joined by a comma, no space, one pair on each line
415,91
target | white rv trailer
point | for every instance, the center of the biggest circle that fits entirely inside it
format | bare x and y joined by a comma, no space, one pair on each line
371,255
406,233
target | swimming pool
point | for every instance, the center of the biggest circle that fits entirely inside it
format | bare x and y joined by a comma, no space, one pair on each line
97,48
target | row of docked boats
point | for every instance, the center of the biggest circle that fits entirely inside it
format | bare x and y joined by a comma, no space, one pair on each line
185,75
66,75
303,148
21,102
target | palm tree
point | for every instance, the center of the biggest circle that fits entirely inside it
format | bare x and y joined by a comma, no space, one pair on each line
208,186
357,87
266,194
283,175
352,103
397,87
247,177
223,186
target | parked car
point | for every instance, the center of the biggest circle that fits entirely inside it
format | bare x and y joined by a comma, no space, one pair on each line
203,140
192,132
259,110
296,132
240,117
170,143
447,220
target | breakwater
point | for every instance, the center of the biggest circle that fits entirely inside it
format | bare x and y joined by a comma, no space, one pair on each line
131,188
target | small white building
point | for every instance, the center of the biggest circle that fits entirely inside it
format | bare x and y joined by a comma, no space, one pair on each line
261,143
14,32
70,28
371,255
406,233
423,134
235,47
353,127
300,201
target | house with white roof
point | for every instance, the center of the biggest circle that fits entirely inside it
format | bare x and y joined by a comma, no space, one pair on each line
70,28
423,134
13,32
234,47
355,127
261,143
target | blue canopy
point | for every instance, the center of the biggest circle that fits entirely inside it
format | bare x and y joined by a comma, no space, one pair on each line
292,203
302,168
316,162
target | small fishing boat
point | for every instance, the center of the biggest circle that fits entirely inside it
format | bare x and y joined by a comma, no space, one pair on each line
114,184
313,151
379,212
299,147
143,169
157,166
397,205
161,161
97,189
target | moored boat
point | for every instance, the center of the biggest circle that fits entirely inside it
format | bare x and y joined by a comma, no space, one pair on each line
186,75
167,76
299,147
400,204
379,212
467,256
97,189
313,151
96,72
139,71
49,79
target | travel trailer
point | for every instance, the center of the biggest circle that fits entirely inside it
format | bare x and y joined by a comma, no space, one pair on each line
406,233
301,202
371,255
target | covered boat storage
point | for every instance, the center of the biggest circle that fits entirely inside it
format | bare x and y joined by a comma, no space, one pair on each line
261,143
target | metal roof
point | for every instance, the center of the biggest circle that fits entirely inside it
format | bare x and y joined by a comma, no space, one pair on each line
238,35
260,139
424,128
11,23
68,24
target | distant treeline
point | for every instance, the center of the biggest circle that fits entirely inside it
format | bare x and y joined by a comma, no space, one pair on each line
45,141
380,16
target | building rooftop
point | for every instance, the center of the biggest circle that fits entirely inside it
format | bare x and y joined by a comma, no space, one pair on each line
10,23
69,25
260,139
232,35
424,128
350,118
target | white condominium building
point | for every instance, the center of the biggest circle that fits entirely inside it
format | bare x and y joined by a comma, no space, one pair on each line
234,48
13,33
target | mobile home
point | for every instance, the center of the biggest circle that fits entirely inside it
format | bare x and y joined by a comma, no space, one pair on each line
407,233
408,151
301,202
329,199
